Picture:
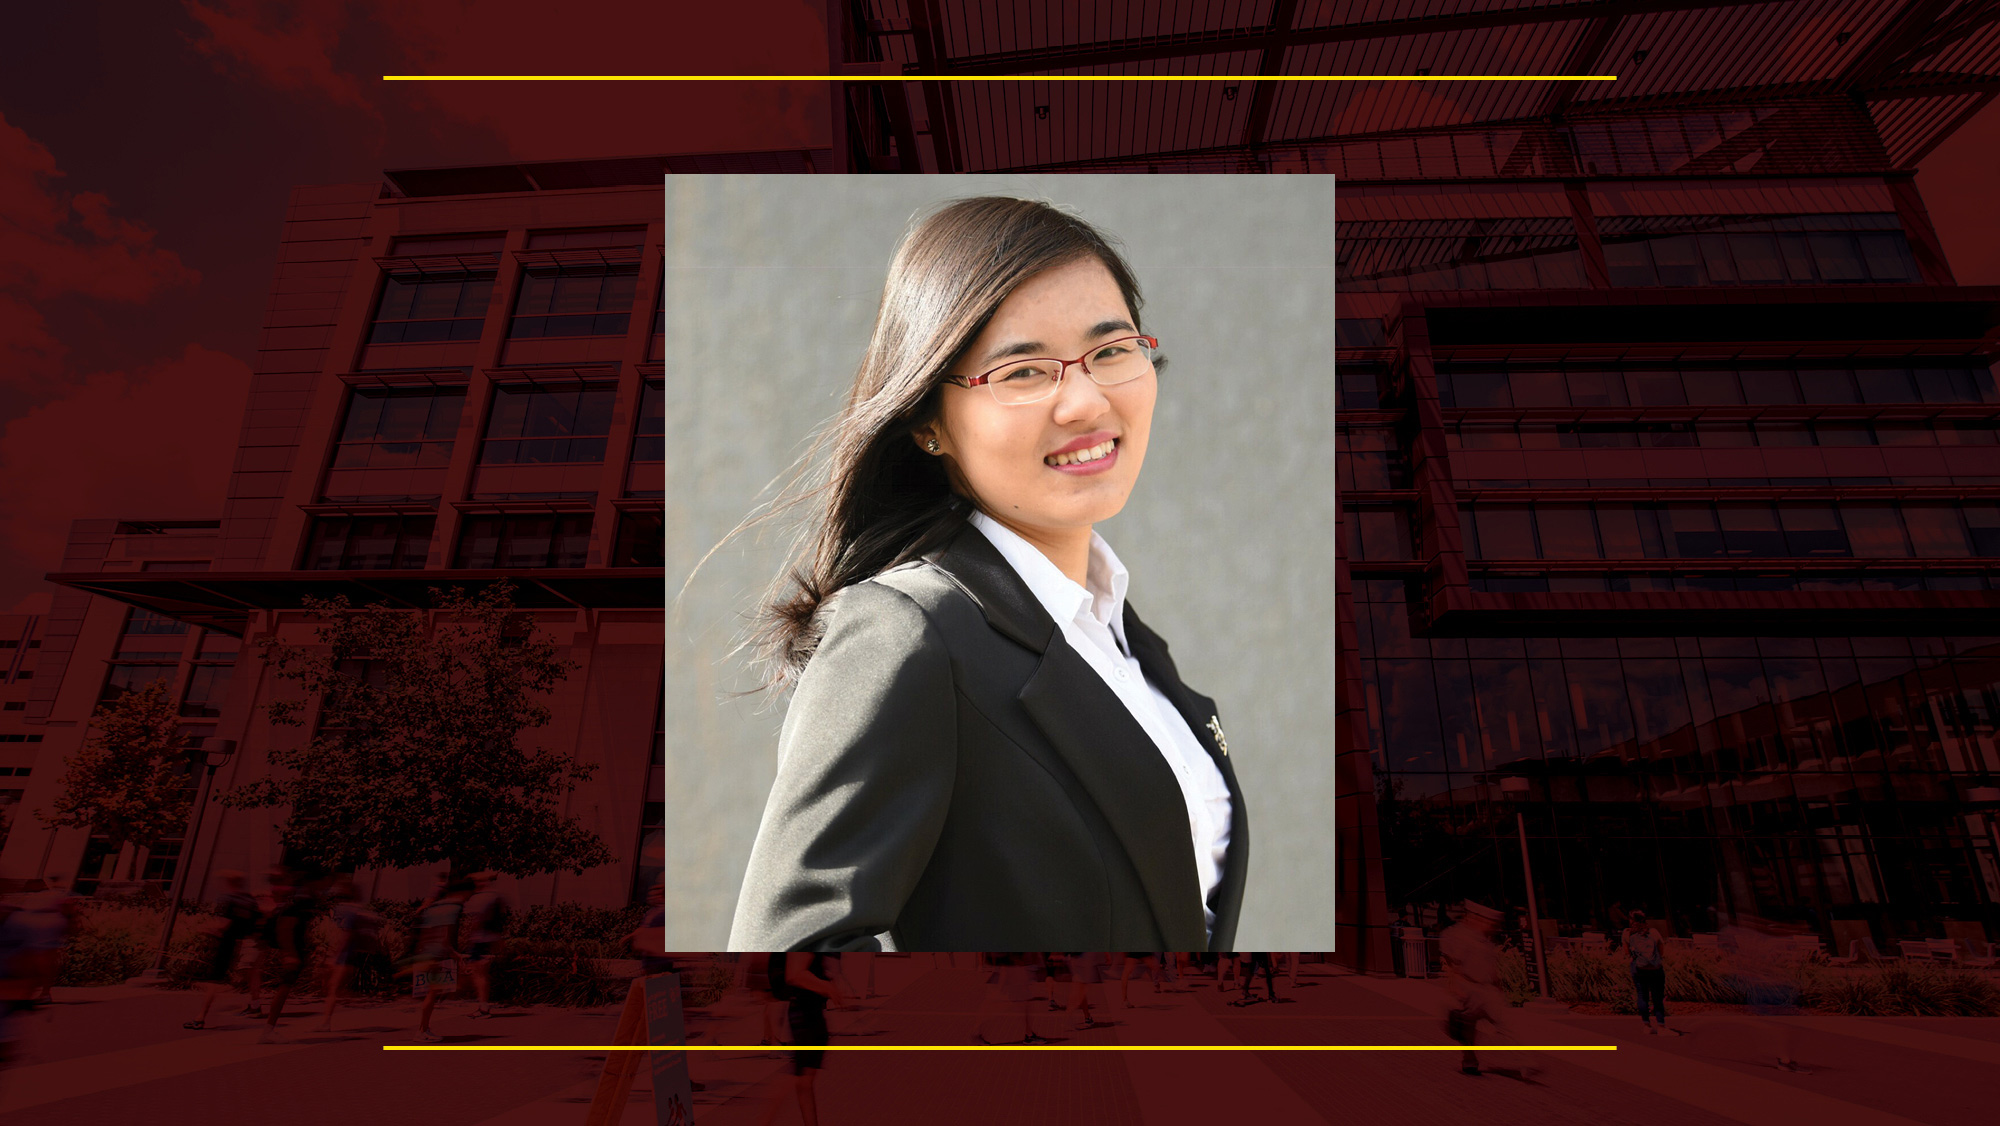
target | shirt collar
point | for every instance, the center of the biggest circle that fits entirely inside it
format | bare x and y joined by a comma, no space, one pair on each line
1103,598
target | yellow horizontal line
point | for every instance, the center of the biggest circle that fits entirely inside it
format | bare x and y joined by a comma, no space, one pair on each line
999,78
996,1048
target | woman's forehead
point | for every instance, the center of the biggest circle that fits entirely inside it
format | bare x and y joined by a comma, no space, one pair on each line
1068,300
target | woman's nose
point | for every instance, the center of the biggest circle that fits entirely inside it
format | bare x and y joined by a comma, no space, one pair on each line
1078,395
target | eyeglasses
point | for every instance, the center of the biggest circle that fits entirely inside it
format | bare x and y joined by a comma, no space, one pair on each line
1020,382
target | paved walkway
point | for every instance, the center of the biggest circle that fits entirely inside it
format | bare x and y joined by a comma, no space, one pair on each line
119,1055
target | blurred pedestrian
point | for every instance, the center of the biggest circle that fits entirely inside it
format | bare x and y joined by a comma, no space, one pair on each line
360,943
1759,954
1018,976
1472,974
809,988
1647,951
1138,962
1085,971
775,1009
31,945
277,891
649,938
287,934
435,947
240,920
487,915
1252,963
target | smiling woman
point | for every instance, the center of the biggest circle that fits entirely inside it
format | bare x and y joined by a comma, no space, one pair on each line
986,748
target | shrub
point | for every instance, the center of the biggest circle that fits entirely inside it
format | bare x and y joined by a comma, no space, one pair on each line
542,972
574,922
1700,977
112,942
1587,975
1514,977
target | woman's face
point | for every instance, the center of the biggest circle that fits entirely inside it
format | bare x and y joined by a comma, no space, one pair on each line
1005,457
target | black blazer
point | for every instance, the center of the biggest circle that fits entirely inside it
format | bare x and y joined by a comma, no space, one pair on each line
952,775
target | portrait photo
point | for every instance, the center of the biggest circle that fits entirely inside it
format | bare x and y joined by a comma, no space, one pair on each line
1000,531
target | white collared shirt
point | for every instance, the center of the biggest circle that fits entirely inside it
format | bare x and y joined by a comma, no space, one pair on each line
1092,618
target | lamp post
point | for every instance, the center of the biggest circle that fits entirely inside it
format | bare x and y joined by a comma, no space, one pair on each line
1515,790
214,753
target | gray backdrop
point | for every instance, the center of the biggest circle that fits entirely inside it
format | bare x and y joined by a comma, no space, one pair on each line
771,288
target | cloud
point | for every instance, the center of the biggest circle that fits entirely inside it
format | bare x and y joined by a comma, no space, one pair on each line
287,46
57,244
154,443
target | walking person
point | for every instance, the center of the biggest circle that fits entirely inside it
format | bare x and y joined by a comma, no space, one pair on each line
1765,972
436,945
1472,974
775,1010
360,941
277,891
487,914
285,934
1085,970
1646,949
1253,963
1018,974
240,920
809,989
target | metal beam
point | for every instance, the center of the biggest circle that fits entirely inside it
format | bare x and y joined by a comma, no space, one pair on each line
1582,59
1283,14
1154,47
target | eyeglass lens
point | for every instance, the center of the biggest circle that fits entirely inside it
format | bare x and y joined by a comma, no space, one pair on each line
1032,380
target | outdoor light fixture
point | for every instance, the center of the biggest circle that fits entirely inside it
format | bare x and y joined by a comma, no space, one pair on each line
1639,56
1229,93
1514,788
1041,113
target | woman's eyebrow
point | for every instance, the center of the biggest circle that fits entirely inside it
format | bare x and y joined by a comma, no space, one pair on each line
1038,348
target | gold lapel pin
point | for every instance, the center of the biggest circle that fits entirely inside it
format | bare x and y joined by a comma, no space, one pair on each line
1215,728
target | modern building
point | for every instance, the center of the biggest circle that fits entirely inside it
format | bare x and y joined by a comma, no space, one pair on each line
458,382
1668,477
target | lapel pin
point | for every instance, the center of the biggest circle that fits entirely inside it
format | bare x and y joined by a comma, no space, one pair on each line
1215,728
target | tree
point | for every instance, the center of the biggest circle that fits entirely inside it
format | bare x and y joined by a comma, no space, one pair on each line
129,781
416,756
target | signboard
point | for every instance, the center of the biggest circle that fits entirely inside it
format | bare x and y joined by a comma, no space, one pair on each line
443,974
673,1095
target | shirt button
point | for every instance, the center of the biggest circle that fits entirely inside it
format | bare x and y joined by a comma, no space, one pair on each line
1119,673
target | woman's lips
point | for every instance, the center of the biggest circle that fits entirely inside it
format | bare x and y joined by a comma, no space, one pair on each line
1088,468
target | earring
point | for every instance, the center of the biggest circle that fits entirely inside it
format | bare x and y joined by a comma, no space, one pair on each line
931,445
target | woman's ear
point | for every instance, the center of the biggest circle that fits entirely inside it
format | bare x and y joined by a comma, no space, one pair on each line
926,438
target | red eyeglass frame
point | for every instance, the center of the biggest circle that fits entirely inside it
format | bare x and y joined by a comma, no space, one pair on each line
1062,372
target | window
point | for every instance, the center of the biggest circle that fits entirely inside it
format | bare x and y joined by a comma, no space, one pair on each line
399,428
131,678
368,543
639,541
534,425
596,238
1874,530
207,686
1794,249
151,636
575,301
1812,529
649,441
556,539
423,308
1751,529
151,621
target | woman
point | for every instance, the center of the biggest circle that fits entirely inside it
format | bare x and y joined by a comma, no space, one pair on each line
986,748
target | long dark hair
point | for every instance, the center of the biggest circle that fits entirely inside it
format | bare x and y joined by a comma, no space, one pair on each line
876,499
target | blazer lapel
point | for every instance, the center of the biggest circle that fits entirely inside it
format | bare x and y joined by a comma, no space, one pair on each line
1199,711
1105,748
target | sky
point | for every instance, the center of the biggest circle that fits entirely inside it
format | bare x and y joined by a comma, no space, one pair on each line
147,151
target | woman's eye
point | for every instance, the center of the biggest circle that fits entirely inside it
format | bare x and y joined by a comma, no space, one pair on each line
1112,351
1021,373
